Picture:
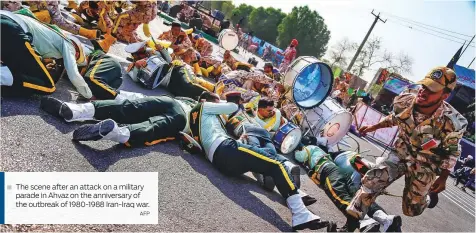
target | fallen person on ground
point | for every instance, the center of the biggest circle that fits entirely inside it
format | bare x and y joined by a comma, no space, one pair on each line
233,63
23,71
145,120
268,116
234,158
252,85
243,127
98,11
126,24
50,13
340,185
177,37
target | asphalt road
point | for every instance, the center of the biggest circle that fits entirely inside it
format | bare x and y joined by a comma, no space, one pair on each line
193,196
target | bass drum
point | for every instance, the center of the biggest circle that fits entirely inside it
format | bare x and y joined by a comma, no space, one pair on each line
328,120
228,39
311,81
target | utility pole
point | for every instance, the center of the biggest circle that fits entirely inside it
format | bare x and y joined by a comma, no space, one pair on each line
471,63
377,18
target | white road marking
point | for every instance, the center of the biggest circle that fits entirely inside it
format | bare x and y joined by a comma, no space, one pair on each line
460,195
459,204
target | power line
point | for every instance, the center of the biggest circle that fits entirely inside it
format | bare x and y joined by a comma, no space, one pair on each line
426,24
428,28
407,26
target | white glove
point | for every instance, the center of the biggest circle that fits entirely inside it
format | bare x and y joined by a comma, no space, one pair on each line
85,92
82,88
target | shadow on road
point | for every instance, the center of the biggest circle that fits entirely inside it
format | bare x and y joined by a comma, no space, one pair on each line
239,190
101,160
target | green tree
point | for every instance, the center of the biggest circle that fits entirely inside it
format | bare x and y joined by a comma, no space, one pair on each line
308,27
265,22
242,11
224,6
227,9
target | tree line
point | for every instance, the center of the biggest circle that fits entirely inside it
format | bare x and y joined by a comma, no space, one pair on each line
278,28
371,55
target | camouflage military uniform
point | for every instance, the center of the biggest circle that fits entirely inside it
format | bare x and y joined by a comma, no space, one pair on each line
127,23
234,80
230,61
203,47
182,40
11,5
211,61
101,15
56,18
420,167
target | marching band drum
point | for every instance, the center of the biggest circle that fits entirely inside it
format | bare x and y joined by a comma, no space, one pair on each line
329,120
228,39
311,82
287,138
156,72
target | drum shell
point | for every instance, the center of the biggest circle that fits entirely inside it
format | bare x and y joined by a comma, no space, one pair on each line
150,76
324,116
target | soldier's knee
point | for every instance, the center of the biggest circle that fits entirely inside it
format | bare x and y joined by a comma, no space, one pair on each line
412,210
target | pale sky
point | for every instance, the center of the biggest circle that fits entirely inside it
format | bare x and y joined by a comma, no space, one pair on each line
352,19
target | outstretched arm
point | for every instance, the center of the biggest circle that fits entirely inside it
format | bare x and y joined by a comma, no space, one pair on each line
219,108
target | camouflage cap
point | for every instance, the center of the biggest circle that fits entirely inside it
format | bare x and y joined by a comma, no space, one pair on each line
439,78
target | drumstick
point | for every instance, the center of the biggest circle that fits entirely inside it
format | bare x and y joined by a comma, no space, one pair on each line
153,40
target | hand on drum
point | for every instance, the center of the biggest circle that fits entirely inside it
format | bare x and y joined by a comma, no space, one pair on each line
141,63
366,129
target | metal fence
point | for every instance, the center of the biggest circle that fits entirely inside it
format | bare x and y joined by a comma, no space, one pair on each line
365,115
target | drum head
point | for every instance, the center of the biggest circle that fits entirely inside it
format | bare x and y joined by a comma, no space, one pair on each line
337,127
312,84
228,39
291,141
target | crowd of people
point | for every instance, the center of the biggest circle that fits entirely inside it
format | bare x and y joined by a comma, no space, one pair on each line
231,122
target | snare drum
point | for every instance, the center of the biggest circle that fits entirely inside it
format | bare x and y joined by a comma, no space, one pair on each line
287,138
329,120
228,39
311,81
152,75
